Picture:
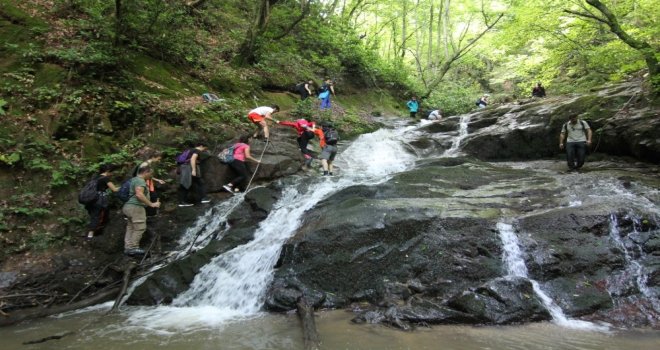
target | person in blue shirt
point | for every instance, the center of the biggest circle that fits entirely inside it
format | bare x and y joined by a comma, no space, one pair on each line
413,106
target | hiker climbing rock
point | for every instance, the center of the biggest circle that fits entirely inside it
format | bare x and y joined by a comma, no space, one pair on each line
328,147
324,93
190,176
577,135
413,106
259,116
305,89
152,157
306,131
134,209
241,152
97,206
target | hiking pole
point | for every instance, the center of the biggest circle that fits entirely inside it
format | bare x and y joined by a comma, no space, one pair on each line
257,168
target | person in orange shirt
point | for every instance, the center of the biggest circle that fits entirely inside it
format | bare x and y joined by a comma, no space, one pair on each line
306,132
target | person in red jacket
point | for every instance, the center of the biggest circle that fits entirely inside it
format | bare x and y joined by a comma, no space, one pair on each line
306,132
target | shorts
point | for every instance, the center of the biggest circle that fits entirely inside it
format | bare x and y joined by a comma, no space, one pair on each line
329,152
255,117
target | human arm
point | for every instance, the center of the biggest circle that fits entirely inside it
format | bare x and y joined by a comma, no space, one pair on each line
139,194
249,156
287,123
193,164
332,89
589,134
309,91
112,187
562,137
162,182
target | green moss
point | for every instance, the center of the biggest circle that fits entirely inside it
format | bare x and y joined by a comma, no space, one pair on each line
15,15
159,77
286,101
48,75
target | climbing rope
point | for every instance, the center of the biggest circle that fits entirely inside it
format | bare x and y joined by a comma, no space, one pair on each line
259,163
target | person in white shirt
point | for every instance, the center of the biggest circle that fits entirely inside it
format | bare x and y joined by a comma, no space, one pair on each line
259,116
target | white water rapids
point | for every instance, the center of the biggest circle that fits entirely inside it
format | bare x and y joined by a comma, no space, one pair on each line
233,285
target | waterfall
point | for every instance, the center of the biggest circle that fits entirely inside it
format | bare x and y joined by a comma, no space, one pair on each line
515,265
462,134
634,274
233,285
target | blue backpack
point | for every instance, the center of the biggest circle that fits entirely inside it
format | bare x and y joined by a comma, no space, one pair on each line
124,193
227,155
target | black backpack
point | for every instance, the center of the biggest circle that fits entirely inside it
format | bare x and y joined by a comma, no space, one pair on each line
89,193
124,193
331,136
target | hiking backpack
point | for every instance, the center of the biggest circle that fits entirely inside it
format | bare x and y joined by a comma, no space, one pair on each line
227,155
184,157
584,127
124,193
89,193
331,137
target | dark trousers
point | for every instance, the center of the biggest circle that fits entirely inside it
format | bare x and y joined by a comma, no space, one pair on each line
576,151
241,169
413,114
195,193
303,140
98,217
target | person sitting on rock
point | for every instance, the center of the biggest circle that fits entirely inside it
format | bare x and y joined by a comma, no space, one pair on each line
482,102
538,91
259,116
435,115
577,134
241,153
306,131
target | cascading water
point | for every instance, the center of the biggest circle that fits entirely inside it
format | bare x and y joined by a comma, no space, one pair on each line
233,285
462,134
634,274
515,265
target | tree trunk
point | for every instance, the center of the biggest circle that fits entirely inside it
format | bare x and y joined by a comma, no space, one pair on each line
430,52
118,22
643,47
404,28
311,337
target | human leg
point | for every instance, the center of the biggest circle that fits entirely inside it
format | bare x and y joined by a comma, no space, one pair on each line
135,227
264,127
570,154
241,169
581,153
95,213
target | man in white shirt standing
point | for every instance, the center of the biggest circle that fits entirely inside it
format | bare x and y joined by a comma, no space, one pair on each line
259,116
577,134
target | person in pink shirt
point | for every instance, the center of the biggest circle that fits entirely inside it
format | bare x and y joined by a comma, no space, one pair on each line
241,153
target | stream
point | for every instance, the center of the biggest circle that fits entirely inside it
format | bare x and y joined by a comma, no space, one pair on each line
223,308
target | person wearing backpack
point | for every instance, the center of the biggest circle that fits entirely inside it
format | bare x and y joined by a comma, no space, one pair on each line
328,147
134,209
324,93
305,89
306,131
482,102
98,208
259,116
577,134
190,176
413,106
241,153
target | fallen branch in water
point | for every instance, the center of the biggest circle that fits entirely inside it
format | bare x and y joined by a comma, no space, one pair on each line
311,337
127,279
52,337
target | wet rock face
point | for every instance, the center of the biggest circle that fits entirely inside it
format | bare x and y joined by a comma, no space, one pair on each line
502,301
531,130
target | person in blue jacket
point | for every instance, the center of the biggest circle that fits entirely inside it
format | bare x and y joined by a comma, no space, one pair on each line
413,106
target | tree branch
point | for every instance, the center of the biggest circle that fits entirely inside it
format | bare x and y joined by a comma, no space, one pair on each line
586,15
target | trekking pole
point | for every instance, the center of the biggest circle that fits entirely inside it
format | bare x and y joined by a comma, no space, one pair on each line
257,168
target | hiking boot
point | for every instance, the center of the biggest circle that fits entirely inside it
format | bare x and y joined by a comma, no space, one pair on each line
205,200
228,188
185,205
266,140
134,252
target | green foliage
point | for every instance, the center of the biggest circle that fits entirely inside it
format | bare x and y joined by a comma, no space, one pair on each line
3,103
453,98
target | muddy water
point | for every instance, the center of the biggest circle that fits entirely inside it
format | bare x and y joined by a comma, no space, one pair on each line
336,331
